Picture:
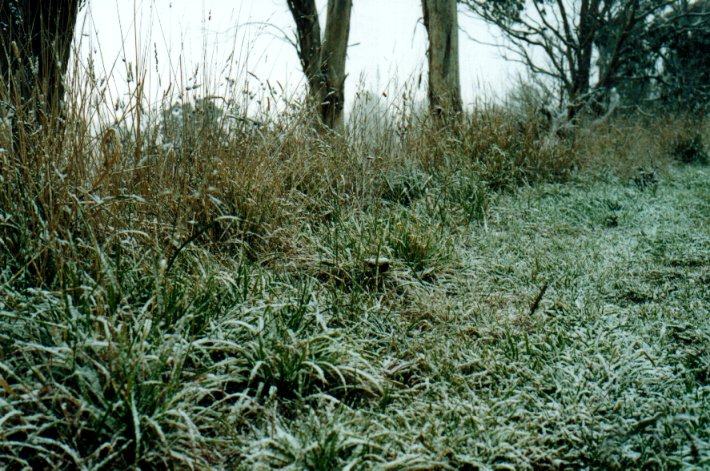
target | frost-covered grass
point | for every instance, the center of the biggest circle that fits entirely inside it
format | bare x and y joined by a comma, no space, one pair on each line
403,333
216,282
216,291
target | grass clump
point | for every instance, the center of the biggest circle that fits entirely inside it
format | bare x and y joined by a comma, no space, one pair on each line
690,149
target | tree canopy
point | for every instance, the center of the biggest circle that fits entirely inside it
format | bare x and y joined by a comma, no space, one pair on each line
593,50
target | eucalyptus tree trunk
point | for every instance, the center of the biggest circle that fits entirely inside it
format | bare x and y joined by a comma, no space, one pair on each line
305,14
441,23
323,61
335,46
35,45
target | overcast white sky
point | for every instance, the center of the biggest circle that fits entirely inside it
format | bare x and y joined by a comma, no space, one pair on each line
171,39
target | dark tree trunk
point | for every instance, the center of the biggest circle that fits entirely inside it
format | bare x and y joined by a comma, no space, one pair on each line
324,62
441,23
582,64
34,51
305,14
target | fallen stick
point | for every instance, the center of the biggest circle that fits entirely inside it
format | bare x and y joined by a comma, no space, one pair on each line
536,303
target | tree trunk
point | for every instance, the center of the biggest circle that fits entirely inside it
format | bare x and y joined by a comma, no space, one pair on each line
335,46
441,23
34,51
324,62
305,14
582,68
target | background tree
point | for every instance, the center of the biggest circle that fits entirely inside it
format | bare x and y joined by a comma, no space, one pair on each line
323,61
666,62
683,46
441,23
34,51
582,45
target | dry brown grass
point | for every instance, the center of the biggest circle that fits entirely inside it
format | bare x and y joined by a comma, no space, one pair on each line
249,187
622,145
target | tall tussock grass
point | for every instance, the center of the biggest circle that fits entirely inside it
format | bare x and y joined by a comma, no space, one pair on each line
172,286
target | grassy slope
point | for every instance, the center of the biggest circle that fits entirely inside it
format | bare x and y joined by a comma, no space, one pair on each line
610,371
313,359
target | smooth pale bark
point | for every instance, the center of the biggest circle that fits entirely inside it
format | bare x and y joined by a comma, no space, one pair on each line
324,62
335,46
441,23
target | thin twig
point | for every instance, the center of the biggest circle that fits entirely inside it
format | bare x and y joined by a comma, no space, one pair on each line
536,303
